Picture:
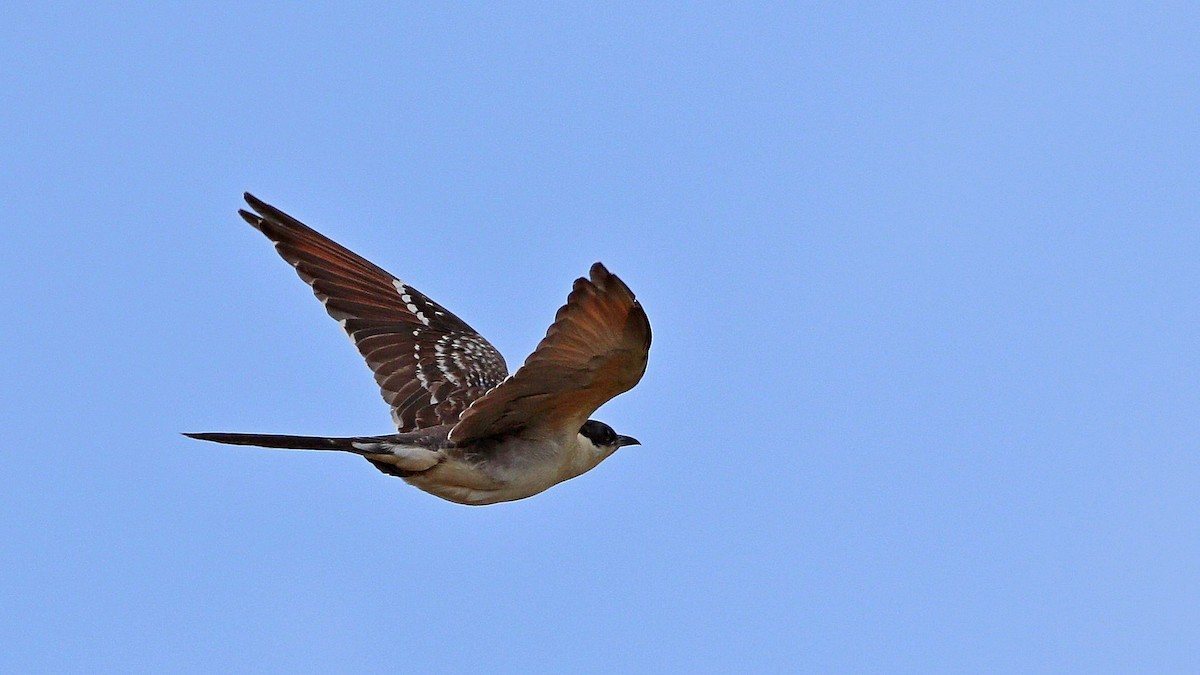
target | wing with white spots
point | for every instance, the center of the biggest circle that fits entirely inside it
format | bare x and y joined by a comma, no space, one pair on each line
430,365
596,348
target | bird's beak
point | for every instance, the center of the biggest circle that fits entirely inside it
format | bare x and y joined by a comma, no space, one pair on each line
622,441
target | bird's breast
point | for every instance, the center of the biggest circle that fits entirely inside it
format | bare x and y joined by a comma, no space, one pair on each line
505,472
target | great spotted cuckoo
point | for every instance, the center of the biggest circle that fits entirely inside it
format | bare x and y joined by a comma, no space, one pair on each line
468,431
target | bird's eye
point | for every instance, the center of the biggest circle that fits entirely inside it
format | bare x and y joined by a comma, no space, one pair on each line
599,433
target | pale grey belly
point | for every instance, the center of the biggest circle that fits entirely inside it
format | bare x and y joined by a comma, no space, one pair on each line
492,478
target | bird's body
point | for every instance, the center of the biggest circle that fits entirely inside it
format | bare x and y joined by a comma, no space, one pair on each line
468,432
506,471
491,471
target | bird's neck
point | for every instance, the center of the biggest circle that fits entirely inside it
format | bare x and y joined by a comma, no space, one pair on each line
583,456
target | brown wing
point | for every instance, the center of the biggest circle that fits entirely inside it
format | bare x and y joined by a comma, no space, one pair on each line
595,349
430,365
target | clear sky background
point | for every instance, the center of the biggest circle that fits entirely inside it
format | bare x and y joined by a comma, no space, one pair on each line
923,395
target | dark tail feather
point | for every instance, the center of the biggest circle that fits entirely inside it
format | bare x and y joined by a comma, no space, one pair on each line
289,442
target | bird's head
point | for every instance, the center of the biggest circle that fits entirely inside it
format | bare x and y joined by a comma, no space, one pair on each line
604,438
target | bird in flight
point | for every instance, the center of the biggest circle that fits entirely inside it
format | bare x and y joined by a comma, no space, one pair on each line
468,431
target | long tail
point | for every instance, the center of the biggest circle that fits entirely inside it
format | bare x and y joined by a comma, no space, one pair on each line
356,444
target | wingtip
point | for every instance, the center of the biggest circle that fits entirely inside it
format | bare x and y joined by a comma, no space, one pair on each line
598,271
262,211
606,281
254,220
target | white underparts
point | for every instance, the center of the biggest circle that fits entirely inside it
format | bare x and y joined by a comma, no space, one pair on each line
406,457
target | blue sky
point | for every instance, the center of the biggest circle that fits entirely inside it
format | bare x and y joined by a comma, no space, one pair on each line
924,388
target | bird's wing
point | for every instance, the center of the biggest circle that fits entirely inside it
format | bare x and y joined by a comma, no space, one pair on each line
595,349
430,365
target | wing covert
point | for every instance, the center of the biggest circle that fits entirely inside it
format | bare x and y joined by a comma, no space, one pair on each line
429,364
596,348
